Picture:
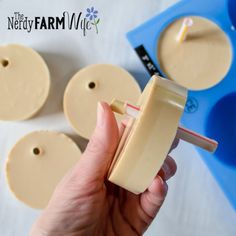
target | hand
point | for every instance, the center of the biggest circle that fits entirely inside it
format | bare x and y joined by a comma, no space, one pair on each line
85,203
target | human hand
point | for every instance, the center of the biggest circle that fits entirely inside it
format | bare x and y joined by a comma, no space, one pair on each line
85,203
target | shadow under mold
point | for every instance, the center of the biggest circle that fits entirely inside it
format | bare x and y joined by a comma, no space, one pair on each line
80,141
142,77
61,68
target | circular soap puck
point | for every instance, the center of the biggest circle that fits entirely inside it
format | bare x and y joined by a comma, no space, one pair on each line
37,163
101,82
24,82
199,62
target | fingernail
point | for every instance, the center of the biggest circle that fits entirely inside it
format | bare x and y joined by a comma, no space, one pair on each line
166,169
161,180
164,184
165,187
100,114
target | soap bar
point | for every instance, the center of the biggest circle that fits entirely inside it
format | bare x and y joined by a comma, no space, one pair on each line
100,82
148,138
24,82
36,163
199,62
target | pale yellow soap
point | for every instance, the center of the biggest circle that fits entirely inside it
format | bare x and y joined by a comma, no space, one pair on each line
199,62
24,82
37,163
147,140
100,82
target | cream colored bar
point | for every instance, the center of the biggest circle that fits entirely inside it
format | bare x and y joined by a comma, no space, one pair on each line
182,133
148,138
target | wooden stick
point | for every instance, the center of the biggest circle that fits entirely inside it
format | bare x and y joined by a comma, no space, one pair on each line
197,139
188,22
182,133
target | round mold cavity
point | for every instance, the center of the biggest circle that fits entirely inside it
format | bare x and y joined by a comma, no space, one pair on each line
232,11
187,63
221,125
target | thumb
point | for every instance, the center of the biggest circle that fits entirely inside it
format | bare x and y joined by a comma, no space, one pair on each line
96,159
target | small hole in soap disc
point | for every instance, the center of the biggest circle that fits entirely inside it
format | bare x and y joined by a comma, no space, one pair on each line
36,151
5,63
91,85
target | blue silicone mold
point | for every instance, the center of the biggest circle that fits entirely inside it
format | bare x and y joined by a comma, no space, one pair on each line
211,112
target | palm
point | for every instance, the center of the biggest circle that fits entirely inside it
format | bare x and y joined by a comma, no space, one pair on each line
115,211
110,210
125,212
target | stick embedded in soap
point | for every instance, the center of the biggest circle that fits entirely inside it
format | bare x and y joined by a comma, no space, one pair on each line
182,133
197,139
121,107
188,22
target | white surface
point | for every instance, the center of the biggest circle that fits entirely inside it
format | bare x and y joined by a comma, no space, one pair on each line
195,205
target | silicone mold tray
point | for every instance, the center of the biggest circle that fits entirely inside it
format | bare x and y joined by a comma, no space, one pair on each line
211,112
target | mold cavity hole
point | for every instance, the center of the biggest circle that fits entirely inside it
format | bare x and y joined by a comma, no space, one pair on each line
221,126
231,10
4,62
36,151
92,85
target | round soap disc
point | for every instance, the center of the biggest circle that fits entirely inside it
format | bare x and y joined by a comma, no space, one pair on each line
24,82
147,139
37,163
199,62
92,84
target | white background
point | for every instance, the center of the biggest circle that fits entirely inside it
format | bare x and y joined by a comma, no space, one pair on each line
195,204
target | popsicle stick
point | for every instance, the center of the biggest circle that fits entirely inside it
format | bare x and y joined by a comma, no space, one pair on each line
182,133
197,139
188,22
